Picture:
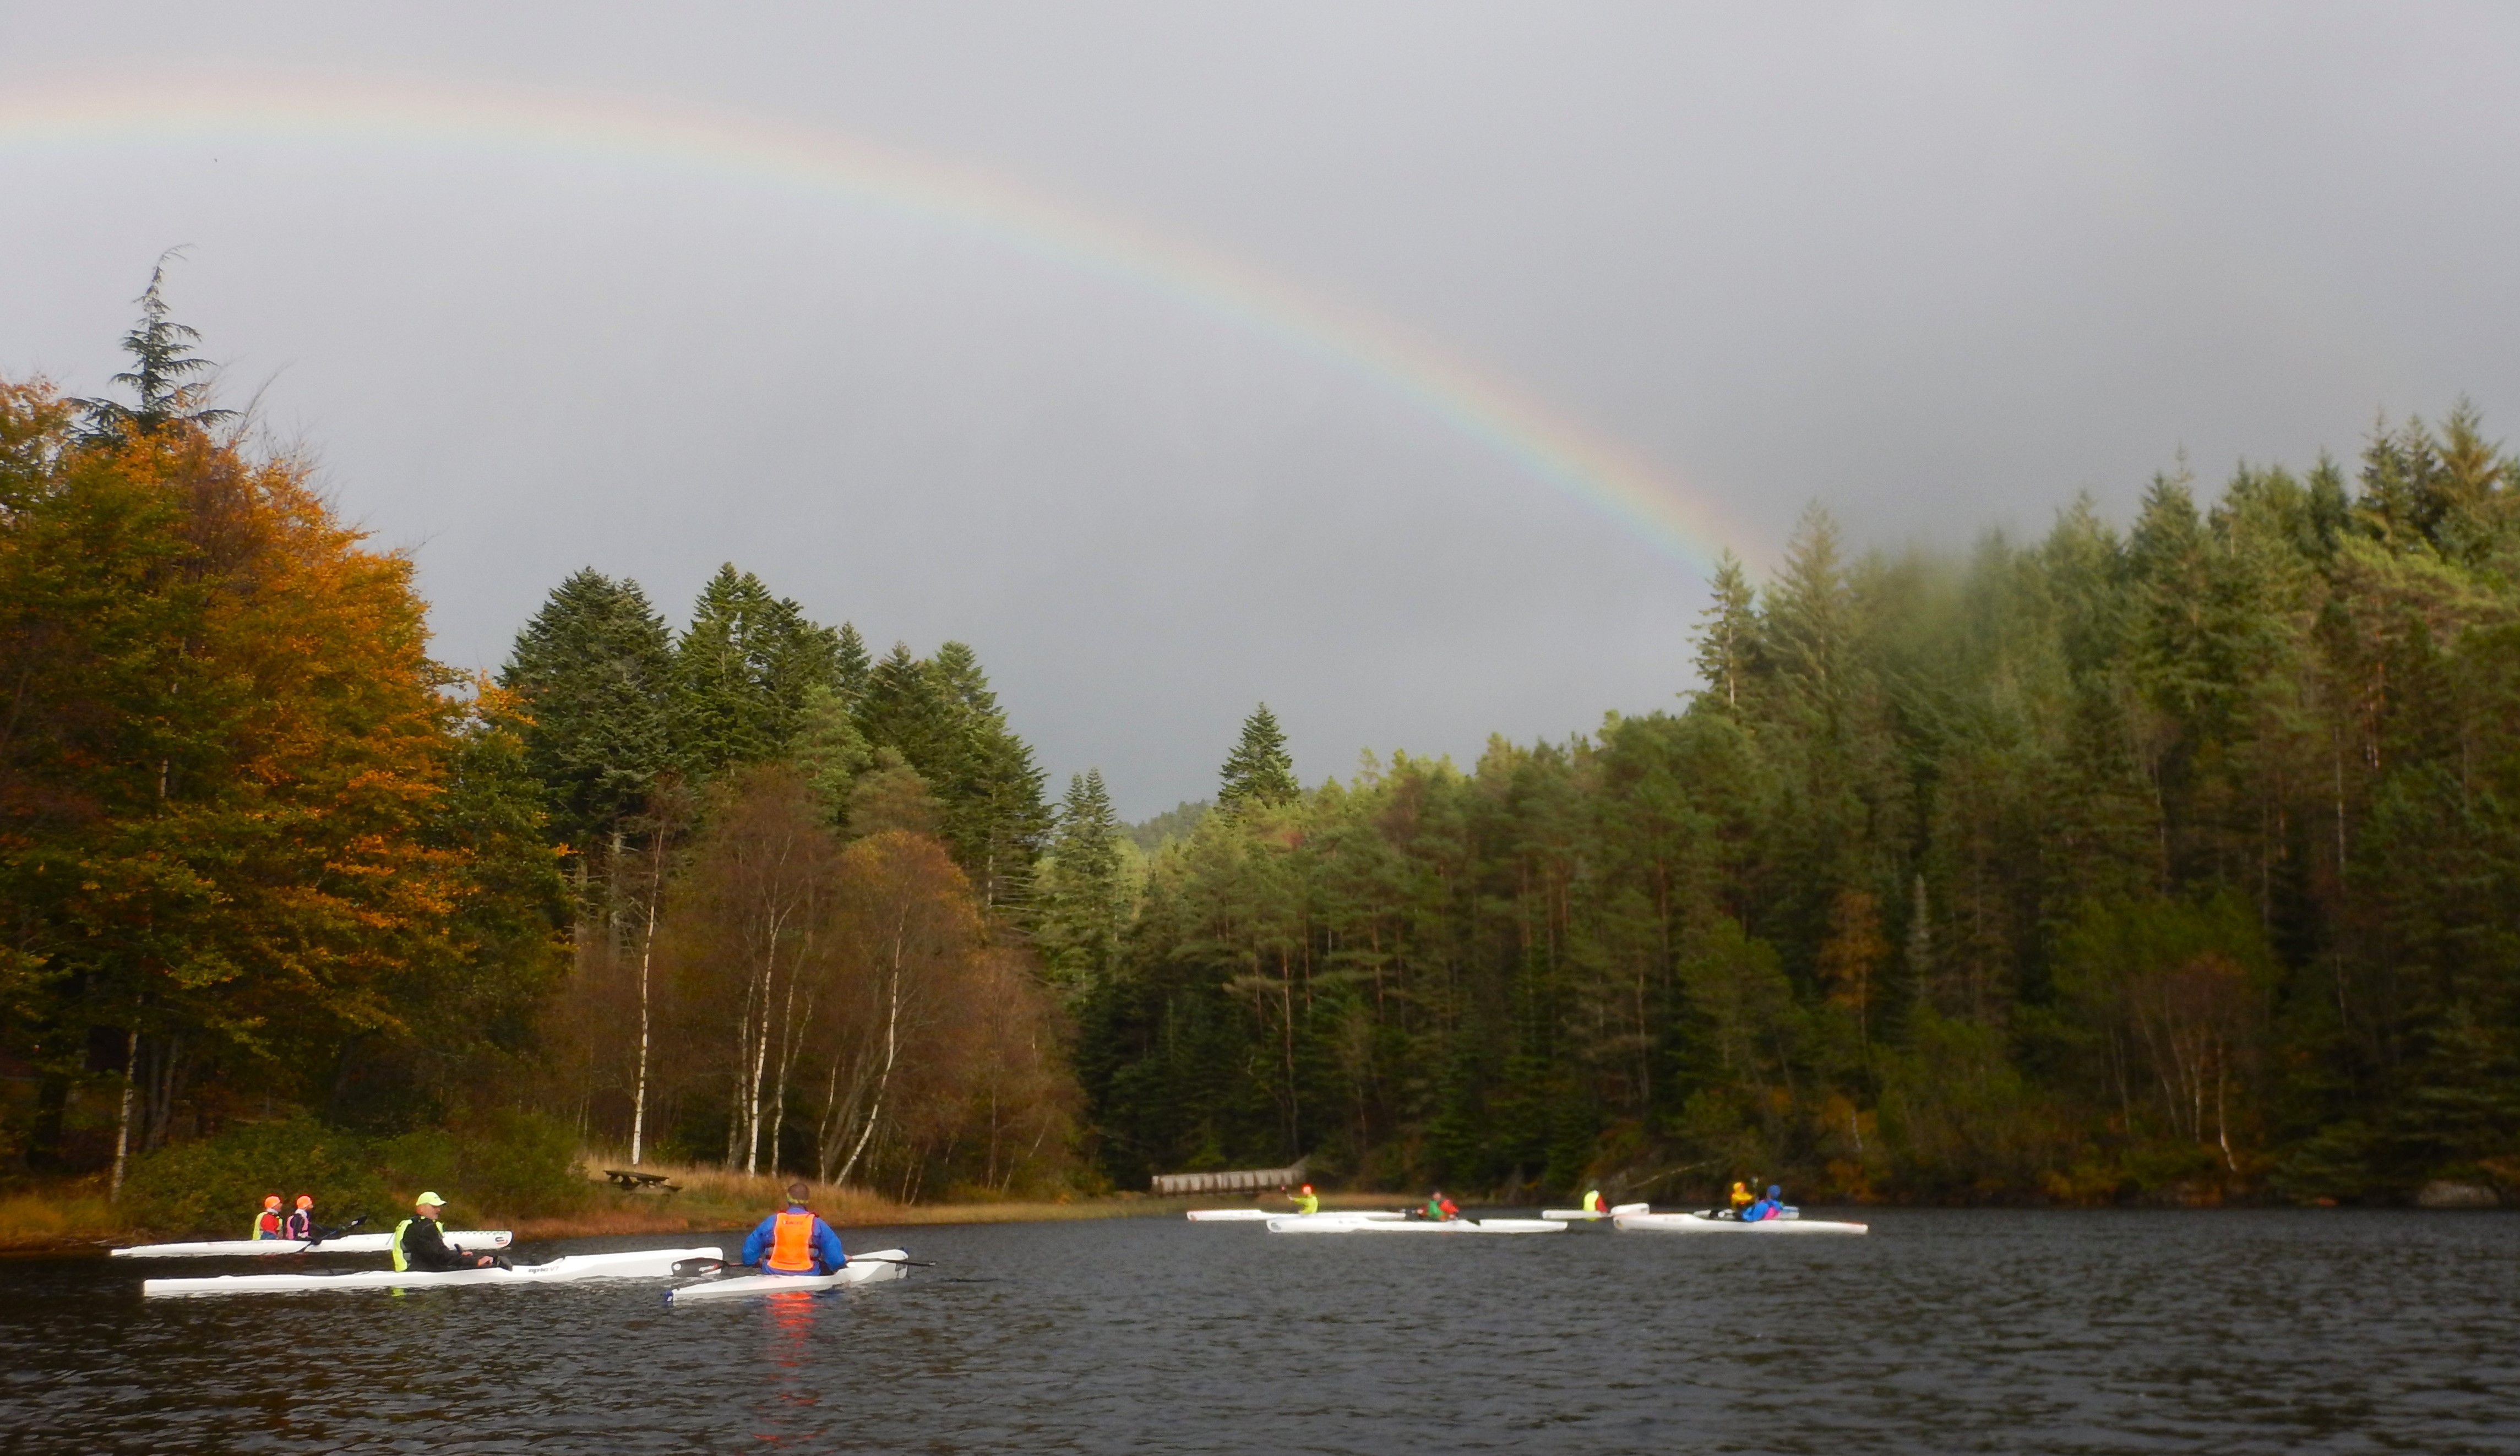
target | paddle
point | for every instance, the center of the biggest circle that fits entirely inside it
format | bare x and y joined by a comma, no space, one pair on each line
334,1233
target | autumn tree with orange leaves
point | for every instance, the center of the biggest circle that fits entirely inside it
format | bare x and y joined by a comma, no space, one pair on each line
252,844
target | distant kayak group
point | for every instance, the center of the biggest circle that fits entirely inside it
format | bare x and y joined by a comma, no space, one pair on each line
1746,1213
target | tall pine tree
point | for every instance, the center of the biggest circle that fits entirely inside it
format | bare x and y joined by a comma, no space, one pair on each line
1258,771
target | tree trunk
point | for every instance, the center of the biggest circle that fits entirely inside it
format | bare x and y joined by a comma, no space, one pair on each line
647,956
891,1049
122,1123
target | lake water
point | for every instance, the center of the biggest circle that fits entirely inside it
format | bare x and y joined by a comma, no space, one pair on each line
1942,1331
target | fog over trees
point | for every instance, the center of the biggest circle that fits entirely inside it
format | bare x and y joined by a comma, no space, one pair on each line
2173,859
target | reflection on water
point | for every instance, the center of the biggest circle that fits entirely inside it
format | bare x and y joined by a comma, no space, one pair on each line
1958,1331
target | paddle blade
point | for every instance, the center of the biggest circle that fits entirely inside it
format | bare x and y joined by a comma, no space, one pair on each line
688,1268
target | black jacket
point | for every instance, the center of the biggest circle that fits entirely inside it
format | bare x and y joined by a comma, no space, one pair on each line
424,1247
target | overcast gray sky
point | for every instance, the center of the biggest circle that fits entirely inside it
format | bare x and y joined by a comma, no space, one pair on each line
1936,268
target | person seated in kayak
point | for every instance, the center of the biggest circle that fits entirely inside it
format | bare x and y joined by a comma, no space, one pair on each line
1742,1198
420,1244
1593,1201
1771,1207
268,1223
1441,1209
795,1240
1307,1202
300,1223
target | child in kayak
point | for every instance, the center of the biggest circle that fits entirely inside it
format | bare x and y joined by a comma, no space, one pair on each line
795,1240
268,1223
300,1223
1742,1197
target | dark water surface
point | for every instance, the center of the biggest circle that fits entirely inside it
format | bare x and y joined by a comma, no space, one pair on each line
1944,1330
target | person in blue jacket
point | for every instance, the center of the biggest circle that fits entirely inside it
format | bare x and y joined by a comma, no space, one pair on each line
795,1240
1771,1207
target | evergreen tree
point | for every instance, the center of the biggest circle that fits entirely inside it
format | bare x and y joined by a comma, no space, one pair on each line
852,665
1728,640
1259,771
593,674
1085,891
743,673
168,383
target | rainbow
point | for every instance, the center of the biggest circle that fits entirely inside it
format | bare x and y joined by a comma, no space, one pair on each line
293,109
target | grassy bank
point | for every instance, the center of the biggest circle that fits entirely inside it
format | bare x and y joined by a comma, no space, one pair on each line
74,1215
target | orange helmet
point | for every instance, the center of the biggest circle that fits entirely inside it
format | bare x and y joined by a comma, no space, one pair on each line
305,1200
1308,1187
272,1201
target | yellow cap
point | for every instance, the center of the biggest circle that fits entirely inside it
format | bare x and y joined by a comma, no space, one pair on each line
429,1197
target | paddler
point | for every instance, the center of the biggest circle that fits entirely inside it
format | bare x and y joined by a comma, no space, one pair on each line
1742,1197
1441,1209
1771,1207
1307,1201
1592,1203
420,1244
268,1223
300,1223
795,1240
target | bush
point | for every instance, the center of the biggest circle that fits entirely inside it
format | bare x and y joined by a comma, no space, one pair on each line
522,1163
217,1186
507,1164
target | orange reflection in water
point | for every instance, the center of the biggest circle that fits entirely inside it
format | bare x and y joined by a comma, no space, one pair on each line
785,1353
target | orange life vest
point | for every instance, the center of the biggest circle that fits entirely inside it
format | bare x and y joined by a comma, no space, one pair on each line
792,1245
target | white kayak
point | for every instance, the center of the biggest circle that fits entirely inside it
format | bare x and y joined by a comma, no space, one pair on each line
479,1239
1323,1224
1262,1215
862,1268
1579,1215
640,1263
1700,1224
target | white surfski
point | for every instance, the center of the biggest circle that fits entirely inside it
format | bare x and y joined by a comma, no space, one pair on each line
482,1240
637,1263
862,1268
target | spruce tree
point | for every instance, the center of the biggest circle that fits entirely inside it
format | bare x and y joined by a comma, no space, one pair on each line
594,670
1259,771
851,663
1728,641
1084,900
162,367
745,671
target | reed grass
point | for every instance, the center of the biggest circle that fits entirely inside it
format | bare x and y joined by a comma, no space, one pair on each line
59,1217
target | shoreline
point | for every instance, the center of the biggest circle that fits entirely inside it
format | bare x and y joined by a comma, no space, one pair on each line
650,1214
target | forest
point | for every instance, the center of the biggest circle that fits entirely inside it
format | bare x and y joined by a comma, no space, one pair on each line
2173,861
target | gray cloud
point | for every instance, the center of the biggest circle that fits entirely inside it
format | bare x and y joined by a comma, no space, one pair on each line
1936,268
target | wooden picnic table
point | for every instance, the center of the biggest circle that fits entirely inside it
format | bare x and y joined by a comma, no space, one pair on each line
635,1180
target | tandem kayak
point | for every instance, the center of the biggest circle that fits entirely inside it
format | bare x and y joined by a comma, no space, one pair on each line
862,1268
1580,1215
1325,1224
479,1239
1700,1224
641,1264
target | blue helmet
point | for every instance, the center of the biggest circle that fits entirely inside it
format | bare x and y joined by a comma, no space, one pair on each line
1776,1192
